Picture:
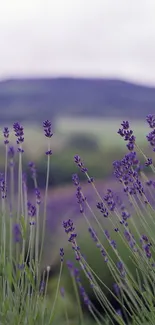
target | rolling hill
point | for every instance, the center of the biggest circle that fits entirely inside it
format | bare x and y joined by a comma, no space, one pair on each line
38,99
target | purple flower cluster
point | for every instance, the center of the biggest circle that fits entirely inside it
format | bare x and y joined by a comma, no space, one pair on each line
127,171
146,245
111,241
80,164
109,198
32,169
11,152
32,213
130,239
38,196
62,254
116,289
121,269
3,186
102,209
31,210
151,136
69,229
125,216
127,134
6,134
16,232
19,133
47,129
80,197
151,120
148,162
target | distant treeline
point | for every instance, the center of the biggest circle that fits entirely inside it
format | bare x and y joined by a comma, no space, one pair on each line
37,99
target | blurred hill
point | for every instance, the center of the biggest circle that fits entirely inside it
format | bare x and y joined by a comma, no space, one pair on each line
38,99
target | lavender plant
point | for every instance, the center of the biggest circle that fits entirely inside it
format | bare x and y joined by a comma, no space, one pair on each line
131,217
23,285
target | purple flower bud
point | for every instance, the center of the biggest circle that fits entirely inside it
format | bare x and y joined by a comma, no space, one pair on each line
49,152
151,120
47,129
31,209
61,254
148,162
16,232
19,133
33,169
6,134
38,196
116,289
11,152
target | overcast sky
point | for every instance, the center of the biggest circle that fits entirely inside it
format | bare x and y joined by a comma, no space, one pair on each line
105,38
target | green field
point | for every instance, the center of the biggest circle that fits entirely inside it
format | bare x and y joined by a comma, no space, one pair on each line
95,140
104,130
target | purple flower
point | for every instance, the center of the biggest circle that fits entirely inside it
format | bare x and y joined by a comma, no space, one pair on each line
21,266
19,132
127,171
69,229
146,245
151,120
79,195
148,162
38,196
127,235
61,254
109,198
80,164
70,266
121,268
49,152
127,134
75,179
47,129
31,209
85,296
90,180
6,134
116,289
42,286
113,244
3,187
106,232
17,232
68,226
93,235
33,169
11,152
125,125
102,209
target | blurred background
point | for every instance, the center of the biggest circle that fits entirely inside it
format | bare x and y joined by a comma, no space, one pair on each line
86,65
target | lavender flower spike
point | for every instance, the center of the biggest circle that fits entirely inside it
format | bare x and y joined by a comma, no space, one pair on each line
6,135
47,129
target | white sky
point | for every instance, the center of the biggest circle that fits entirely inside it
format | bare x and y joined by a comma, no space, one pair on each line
105,38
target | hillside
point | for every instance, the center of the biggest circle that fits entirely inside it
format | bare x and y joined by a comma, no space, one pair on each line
37,99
